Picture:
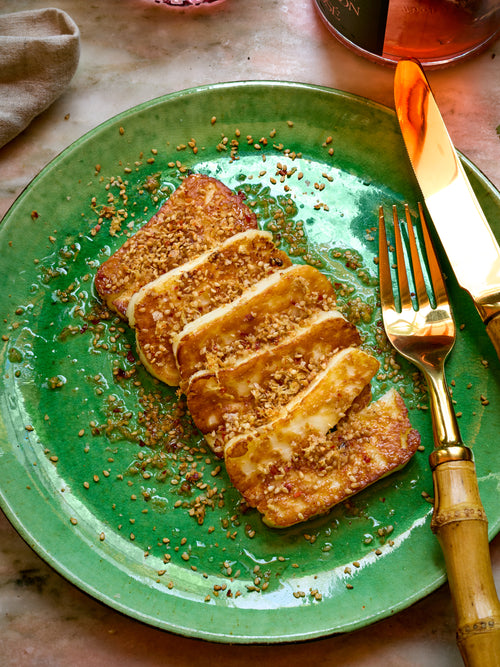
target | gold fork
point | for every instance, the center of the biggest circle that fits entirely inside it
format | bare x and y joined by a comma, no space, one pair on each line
425,335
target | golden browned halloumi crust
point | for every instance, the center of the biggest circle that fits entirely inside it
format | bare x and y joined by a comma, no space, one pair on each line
253,390
321,470
316,409
163,307
201,213
260,317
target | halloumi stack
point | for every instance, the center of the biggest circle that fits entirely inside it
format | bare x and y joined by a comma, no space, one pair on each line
162,308
297,467
261,317
201,213
253,390
274,376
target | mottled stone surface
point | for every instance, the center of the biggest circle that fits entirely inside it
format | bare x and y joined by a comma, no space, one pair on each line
133,51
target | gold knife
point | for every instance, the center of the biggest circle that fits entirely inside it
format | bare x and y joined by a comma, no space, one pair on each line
465,234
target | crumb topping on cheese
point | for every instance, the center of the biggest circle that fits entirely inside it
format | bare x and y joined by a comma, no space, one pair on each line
250,393
164,307
275,378
319,470
201,213
260,318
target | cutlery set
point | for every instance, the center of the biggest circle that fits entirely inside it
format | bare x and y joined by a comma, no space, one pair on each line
423,331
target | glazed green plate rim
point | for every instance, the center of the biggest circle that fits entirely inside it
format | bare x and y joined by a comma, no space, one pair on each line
131,589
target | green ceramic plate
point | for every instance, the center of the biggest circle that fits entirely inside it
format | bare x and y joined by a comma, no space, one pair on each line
96,461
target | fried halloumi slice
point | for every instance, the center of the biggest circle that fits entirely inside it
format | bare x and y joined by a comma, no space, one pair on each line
163,307
296,471
259,318
253,390
201,213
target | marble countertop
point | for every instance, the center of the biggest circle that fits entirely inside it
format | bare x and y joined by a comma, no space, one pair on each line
131,52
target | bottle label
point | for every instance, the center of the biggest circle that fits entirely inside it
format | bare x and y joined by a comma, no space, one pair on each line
362,22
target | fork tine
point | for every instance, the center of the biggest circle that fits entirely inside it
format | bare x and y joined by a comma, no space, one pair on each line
438,285
386,294
404,290
422,297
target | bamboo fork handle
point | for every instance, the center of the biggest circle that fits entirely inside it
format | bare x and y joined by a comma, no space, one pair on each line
461,526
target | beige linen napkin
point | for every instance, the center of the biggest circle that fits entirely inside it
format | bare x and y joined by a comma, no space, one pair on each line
39,52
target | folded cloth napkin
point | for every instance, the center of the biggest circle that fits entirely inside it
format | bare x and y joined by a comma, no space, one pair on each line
39,52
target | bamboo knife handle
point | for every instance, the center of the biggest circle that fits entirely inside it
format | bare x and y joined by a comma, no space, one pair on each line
493,329
460,524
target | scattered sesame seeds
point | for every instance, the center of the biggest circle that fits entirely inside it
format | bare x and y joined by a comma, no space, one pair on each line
182,484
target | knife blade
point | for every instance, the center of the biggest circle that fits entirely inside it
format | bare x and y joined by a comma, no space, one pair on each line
465,234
